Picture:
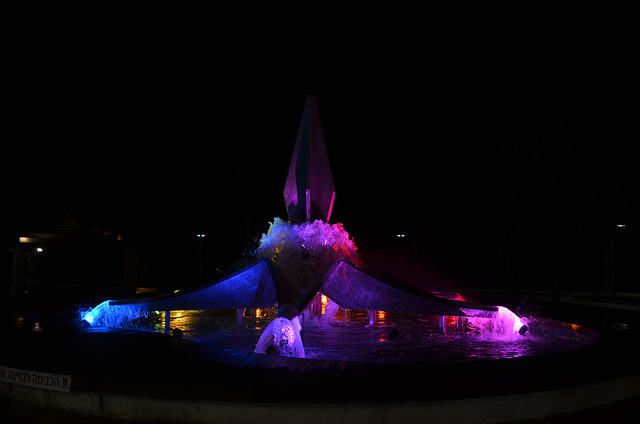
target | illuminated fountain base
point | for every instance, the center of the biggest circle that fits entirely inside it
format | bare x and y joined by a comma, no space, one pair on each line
372,370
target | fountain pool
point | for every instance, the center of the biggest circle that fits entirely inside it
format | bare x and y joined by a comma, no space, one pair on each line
395,337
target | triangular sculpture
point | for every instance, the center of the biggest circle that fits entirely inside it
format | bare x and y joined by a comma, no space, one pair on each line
309,193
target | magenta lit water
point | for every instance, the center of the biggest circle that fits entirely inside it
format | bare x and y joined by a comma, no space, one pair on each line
394,337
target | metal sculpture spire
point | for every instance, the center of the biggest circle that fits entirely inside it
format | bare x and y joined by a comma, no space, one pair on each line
309,193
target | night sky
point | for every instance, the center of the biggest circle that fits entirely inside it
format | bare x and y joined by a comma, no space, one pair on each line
162,133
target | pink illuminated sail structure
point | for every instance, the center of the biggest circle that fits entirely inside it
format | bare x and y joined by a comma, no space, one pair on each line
309,193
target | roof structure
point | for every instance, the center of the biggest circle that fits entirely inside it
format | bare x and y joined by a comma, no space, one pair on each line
66,227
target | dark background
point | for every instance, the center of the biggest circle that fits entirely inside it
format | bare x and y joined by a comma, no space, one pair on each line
499,143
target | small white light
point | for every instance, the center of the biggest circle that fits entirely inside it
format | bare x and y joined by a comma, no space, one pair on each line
400,236
621,225
39,249
200,235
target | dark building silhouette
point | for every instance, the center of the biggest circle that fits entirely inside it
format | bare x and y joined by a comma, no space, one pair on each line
69,253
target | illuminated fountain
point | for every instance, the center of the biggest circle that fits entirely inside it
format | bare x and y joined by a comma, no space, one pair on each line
310,269
331,340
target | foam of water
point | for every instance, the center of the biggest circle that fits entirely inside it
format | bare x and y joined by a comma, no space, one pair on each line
502,324
281,338
114,316
317,238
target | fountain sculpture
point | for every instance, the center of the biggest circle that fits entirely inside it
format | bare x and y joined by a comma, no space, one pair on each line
308,267
302,260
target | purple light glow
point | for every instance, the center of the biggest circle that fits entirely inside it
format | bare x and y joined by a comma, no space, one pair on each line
502,324
285,240
301,255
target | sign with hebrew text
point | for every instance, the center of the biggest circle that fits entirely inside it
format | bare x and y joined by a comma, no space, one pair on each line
42,380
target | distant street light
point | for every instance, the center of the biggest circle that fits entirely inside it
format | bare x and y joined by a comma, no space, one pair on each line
201,238
612,259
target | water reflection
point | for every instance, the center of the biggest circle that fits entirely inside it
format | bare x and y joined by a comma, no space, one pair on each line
395,337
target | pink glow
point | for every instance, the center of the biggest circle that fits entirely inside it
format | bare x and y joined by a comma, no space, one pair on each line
509,318
459,297
502,324
333,199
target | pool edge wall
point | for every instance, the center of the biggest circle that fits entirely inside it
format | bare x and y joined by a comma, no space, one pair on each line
481,409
